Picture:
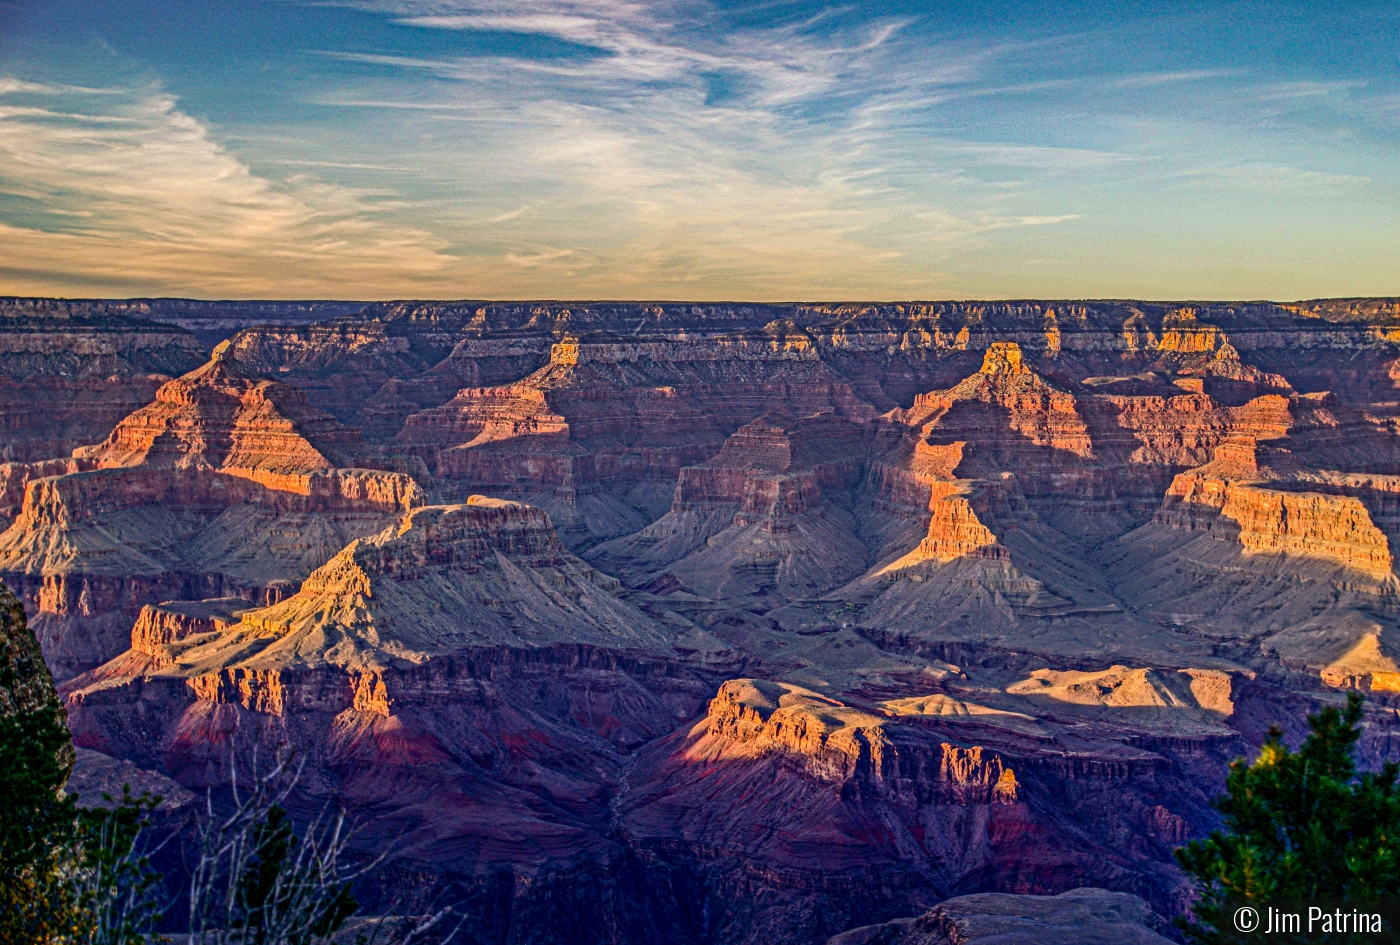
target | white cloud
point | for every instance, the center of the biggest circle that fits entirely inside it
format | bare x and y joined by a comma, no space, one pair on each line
1260,176
1149,79
143,193
1284,91
642,42
509,215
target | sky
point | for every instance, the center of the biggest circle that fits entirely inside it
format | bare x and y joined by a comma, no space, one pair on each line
700,149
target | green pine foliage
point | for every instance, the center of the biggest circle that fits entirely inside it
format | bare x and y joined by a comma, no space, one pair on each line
39,829
77,876
1298,825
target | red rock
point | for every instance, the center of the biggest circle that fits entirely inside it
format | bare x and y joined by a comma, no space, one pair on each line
68,372
609,421
223,486
1142,533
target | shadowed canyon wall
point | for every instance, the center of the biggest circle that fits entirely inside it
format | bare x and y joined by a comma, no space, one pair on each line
636,622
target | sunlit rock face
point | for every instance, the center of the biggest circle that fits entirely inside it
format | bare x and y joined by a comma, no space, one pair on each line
226,484
732,623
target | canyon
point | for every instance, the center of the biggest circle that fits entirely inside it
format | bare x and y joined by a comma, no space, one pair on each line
716,623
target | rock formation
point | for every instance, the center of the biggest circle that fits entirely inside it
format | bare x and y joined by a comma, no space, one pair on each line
725,623
1077,917
598,434
225,484
66,376
766,516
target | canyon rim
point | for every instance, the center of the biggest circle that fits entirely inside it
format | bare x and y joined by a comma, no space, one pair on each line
755,623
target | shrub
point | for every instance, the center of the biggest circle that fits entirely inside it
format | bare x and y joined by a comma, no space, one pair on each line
1298,825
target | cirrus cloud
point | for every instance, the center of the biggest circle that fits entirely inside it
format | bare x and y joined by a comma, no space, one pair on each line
119,186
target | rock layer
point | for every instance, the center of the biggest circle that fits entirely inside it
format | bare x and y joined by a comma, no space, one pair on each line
913,600
225,485
67,374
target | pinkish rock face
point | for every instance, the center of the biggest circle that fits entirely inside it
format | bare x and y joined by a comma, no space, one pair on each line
725,623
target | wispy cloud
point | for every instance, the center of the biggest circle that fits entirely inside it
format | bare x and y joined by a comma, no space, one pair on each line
530,260
673,153
128,183
341,165
1283,91
511,215
647,42
680,148
1267,176
1032,156
1149,79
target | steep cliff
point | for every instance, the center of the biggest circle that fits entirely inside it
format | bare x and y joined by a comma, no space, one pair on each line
767,518
67,376
598,435
221,417
225,485
916,599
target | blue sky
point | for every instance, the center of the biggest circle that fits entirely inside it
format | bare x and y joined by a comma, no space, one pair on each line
699,150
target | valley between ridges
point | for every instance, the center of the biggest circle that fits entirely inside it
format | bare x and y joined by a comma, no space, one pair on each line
865,606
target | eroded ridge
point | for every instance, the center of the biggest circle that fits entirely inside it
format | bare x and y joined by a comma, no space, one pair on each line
734,623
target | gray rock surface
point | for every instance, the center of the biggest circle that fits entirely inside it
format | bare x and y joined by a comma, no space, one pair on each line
95,775
1078,917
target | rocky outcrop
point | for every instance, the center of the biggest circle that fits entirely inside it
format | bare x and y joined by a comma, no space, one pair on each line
220,417
1200,690
766,516
15,479
957,528
1078,917
225,485
831,741
1237,501
159,627
1009,419
1333,528
1004,395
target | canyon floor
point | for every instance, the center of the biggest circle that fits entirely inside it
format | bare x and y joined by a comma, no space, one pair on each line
640,622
